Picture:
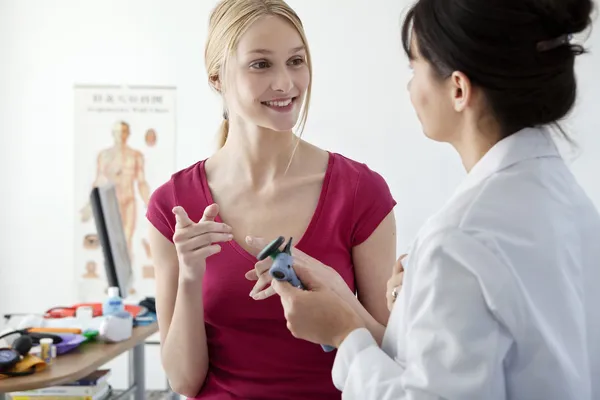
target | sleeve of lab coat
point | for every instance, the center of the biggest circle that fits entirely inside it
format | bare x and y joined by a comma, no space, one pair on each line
455,346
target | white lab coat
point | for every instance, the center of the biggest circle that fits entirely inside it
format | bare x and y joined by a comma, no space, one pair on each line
501,295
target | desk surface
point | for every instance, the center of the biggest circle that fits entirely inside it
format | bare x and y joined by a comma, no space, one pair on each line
78,363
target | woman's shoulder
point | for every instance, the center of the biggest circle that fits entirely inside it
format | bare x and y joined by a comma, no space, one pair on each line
359,175
362,193
182,186
188,177
348,164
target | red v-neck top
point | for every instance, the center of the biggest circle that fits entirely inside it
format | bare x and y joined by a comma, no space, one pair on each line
252,355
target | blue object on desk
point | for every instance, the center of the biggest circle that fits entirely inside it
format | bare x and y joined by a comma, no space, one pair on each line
145,319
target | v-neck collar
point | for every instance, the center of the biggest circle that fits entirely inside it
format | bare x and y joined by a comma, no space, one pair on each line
311,225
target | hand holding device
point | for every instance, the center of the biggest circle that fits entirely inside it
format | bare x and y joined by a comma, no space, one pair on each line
282,268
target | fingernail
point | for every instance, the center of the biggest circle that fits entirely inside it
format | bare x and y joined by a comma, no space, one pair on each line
248,240
251,294
229,236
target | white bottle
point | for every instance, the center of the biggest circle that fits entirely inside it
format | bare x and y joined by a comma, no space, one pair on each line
84,316
113,305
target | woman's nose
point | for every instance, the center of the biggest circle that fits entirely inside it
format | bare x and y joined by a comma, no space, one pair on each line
282,81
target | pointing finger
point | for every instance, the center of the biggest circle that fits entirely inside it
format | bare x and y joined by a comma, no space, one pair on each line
210,213
182,218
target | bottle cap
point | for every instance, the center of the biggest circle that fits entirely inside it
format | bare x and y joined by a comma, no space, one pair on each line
46,341
113,291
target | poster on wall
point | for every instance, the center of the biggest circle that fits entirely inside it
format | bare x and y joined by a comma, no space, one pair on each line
125,136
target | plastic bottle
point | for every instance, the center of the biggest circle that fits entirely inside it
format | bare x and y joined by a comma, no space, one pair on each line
84,316
113,305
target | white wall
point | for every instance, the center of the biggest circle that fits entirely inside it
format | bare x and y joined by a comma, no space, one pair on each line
360,109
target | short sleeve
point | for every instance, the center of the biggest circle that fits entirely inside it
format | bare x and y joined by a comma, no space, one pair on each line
160,209
373,201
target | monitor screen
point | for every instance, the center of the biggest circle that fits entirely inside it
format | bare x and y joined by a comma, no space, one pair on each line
109,225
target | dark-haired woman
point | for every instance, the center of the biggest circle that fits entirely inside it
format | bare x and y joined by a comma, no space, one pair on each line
500,297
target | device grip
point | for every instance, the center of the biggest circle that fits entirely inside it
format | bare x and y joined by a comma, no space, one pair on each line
294,281
292,278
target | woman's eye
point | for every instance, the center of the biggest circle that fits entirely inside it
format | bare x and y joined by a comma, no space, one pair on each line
260,65
297,61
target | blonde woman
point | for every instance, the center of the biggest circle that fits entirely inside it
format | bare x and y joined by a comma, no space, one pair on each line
223,334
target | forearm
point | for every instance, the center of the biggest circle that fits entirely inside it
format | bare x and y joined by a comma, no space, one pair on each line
376,329
184,353
372,260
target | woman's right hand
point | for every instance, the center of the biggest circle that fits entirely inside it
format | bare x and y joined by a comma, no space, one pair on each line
195,242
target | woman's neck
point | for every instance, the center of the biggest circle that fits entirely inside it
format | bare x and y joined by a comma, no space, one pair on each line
255,154
475,140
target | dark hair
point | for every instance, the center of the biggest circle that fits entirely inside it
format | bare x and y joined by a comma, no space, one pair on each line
516,51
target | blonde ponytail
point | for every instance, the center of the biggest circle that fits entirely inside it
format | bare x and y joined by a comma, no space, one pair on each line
223,131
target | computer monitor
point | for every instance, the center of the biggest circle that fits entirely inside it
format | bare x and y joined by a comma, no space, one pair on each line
109,225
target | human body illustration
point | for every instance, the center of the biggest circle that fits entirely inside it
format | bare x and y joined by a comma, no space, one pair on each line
124,167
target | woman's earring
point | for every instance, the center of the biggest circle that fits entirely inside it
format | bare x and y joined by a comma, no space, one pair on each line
225,116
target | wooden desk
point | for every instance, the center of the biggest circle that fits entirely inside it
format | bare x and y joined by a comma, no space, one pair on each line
86,359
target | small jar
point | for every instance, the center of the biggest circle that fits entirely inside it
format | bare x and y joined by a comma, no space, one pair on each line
47,350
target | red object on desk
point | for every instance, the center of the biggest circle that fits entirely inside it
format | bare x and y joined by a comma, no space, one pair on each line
64,312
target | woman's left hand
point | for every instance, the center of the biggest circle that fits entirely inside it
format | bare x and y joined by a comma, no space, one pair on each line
318,314
394,284
320,272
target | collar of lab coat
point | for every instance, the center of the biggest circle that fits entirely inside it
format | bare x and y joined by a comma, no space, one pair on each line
526,144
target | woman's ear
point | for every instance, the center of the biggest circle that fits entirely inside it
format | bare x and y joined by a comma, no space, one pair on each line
461,90
215,82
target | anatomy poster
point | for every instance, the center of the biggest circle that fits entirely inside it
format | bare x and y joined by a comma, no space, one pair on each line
125,136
